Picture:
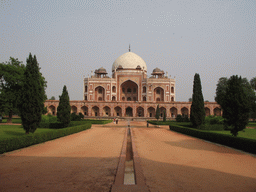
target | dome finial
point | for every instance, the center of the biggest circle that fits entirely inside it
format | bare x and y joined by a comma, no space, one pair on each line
129,48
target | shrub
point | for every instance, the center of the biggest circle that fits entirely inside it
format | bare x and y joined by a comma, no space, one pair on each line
75,117
81,115
180,118
212,120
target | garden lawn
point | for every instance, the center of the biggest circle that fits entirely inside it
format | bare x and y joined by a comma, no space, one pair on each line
251,124
11,131
246,133
14,120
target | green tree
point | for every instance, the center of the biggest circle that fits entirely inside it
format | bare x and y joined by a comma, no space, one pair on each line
197,115
164,118
236,105
52,98
64,108
253,83
221,90
157,112
248,88
32,96
11,78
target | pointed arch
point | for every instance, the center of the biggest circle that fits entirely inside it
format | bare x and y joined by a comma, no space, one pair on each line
140,112
158,94
99,93
129,90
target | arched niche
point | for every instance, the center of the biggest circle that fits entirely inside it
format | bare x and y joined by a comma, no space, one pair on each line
52,110
207,111
173,112
151,112
73,109
117,111
158,94
140,112
95,111
84,109
99,93
106,111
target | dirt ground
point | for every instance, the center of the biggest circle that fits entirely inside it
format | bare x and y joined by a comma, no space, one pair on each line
175,162
87,161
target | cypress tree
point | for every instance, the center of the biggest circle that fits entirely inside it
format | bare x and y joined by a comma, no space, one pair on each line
157,112
164,118
197,112
236,105
32,96
64,108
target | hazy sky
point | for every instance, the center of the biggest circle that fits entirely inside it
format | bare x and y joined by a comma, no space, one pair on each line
72,38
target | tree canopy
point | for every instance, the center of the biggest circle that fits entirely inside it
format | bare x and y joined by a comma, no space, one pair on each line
32,96
237,99
11,81
64,108
157,112
52,98
197,115
253,83
247,86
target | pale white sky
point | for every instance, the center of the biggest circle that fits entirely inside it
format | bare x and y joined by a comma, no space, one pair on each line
72,38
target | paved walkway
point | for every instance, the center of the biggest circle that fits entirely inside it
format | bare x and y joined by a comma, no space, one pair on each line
87,161
175,162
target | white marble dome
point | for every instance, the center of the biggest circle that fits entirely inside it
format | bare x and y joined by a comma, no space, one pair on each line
129,60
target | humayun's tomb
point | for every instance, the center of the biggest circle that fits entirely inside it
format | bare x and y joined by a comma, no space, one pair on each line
130,93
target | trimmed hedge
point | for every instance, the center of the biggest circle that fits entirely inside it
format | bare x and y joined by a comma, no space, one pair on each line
35,138
248,145
93,121
59,125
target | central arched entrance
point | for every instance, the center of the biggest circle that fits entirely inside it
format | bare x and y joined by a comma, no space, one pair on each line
128,112
129,91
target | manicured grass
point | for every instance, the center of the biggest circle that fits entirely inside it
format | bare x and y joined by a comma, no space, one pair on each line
251,124
162,122
14,120
246,133
10,131
13,137
96,121
245,141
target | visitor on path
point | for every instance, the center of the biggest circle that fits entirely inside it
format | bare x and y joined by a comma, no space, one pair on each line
116,120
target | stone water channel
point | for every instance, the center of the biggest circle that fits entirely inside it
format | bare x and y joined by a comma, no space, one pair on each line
129,175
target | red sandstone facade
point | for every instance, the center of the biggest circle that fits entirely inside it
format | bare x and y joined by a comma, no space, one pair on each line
130,93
